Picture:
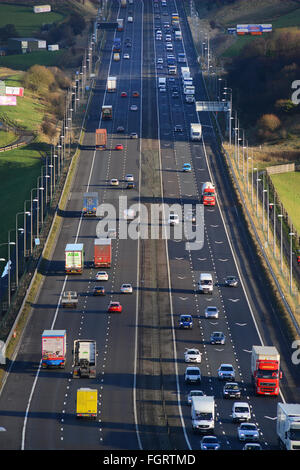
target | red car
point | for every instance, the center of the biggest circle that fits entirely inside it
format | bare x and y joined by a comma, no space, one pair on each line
135,94
123,94
114,307
119,147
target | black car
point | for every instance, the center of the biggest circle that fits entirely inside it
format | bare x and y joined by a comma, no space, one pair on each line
231,390
178,128
130,185
217,337
231,281
99,290
175,94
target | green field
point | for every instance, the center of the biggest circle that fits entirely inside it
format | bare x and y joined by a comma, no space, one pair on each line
19,170
26,22
25,61
28,113
288,188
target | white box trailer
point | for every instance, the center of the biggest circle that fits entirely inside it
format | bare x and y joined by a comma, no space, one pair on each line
111,84
185,70
288,425
196,131
162,82
189,90
203,413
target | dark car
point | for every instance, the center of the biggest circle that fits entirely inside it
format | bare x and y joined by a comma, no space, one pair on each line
175,94
217,337
178,128
231,390
209,443
130,185
99,290
186,321
231,281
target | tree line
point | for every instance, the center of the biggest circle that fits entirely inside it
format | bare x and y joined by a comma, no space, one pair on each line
261,77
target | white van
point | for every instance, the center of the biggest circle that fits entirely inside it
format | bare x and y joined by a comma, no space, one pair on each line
240,411
203,414
205,284
162,82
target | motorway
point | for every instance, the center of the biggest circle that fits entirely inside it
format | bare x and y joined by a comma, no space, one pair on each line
37,407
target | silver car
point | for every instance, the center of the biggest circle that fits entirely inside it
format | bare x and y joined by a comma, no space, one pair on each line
226,372
194,393
211,312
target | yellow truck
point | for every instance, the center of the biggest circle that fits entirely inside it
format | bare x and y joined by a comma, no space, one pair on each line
87,403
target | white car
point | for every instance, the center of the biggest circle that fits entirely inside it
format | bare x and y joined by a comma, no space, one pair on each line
126,289
194,393
133,107
102,276
114,182
160,60
192,355
173,219
240,411
129,177
192,375
248,432
126,56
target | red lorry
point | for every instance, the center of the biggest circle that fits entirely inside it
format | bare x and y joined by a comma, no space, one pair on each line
265,368
208,194
102,253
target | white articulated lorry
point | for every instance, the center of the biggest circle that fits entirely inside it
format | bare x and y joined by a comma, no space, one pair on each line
288,425
84,358
203,414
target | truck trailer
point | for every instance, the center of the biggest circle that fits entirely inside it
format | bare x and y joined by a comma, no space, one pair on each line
265,369
196,131
101,139
87,403
54,348
102,253
84,358
90,204
107,112
288,426
120,22
74,258
69,299
111,85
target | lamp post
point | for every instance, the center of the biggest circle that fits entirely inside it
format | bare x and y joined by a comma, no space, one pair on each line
257,181
230,114
23,230
281,217
9,244
263,214
291,234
